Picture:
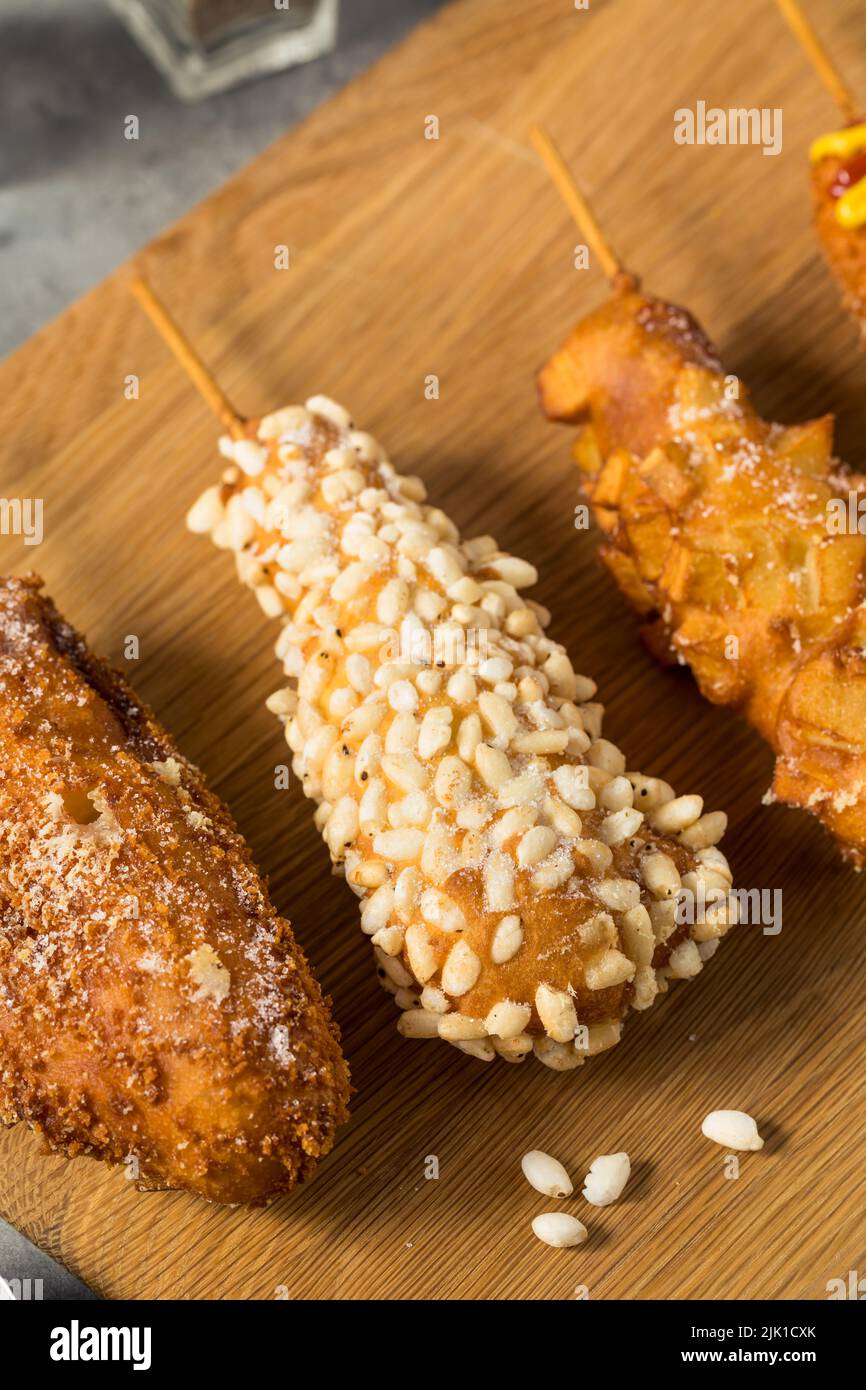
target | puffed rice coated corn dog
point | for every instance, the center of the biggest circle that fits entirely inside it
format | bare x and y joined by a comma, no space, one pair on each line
519,886
732,537
153,1005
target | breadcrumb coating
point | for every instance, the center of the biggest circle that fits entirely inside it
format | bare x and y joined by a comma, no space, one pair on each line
155,1010
737,539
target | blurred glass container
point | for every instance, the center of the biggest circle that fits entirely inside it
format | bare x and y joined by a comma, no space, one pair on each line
206,46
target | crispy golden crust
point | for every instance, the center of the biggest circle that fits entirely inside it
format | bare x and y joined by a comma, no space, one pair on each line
153,1005
732,536
844,248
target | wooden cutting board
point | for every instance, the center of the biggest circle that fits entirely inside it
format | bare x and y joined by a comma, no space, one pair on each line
454,257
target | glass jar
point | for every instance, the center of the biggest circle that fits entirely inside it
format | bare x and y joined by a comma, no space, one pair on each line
205,46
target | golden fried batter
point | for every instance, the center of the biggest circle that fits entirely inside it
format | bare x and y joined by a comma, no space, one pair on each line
154,1008
738,539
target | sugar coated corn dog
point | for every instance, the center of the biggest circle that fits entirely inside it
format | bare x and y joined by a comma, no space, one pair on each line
732,536
518,883
154,1009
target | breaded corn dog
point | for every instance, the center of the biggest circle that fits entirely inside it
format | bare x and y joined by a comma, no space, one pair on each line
154,1009
732,536
518,883
739,540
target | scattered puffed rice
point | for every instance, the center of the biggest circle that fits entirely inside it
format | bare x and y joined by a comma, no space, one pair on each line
559,1229
607,1177
733,1129
546,1174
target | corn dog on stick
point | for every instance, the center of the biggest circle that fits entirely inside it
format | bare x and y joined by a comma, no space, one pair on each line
518,884
732,536
154,1008
838,167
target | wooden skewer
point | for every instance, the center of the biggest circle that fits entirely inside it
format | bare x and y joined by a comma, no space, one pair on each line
579,208
188,358
820,59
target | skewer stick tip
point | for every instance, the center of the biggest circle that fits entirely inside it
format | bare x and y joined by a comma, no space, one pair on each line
829,74
186,355
579,207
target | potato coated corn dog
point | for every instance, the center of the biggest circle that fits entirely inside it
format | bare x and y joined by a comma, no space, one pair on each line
519,885
154,1009
740,541
732,536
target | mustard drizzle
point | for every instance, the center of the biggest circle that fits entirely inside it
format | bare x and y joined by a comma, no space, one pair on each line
842,144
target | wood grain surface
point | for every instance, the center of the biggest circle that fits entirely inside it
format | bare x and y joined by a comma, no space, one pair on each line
454,257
